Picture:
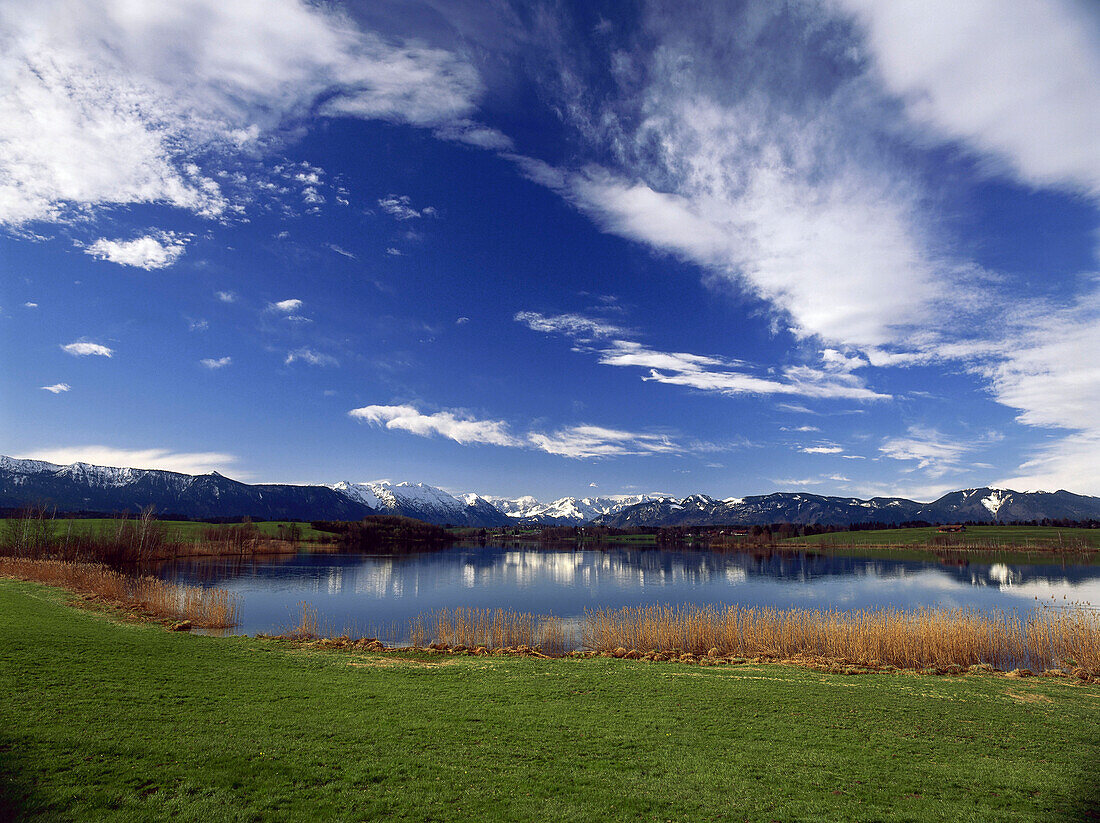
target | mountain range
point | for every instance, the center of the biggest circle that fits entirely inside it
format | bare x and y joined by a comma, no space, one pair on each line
84,487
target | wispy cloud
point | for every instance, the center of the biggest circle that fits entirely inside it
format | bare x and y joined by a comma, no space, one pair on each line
932,451
571,325
105,104
226,296
311,357
30,305
216,363
185,462
83,348
1017,82
581,442
157,250
57,388
452,425
342,251
821,449
1053,382
703,372
577,442
399,207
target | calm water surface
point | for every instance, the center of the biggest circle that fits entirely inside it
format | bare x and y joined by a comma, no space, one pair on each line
377,595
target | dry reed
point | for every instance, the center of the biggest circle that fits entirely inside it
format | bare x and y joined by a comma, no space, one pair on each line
491,628
204,608
925,638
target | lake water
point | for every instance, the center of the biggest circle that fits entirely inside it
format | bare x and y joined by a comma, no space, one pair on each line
372,595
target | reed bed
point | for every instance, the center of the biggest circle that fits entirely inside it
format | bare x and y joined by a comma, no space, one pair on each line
491,628
202,607
926,638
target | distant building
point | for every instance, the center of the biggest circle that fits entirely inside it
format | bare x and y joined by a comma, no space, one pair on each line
951,529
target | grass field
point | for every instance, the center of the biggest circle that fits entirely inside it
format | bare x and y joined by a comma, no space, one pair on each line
185,531
110,720
1038,537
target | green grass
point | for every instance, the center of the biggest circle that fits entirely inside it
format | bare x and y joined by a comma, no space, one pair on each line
186,531
1039,537
105,720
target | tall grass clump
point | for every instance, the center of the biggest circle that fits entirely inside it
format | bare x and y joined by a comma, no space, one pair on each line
491,628
1039,640
204,608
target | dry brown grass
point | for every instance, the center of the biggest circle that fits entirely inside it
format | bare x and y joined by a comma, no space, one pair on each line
204,608
491,628
922,639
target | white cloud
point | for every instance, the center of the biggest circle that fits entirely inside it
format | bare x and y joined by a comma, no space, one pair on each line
341,251
109,102
216,363
399,207
185,462
311,357
581,442
394,252
454,426
932,451
198,325
820,449
57,388
1053,380
1018,81
226,296
1069,462
703,372
30,305
462,321
83,348
154,251
285,306
571,325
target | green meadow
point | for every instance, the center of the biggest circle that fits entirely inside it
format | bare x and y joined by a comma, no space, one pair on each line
1037,537
105,718
184,531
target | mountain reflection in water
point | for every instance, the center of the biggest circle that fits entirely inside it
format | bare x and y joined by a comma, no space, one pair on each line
357,590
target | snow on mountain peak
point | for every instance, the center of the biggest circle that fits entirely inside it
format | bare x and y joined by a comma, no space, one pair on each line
994,501
17,465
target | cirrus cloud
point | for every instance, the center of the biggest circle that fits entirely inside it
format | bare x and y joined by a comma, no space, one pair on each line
166,459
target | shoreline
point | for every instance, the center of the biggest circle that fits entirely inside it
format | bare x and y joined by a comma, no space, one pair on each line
176,726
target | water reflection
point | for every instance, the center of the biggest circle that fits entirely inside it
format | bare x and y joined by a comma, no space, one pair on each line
369,590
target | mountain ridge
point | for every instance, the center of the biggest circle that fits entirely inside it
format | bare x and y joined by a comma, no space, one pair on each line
86,487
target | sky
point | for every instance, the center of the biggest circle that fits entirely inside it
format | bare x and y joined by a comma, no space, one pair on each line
835,246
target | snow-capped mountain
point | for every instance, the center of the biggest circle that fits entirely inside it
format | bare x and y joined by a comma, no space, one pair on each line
424,502
983,505
84,487
565,511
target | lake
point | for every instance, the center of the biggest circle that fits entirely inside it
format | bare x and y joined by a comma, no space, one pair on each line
376,595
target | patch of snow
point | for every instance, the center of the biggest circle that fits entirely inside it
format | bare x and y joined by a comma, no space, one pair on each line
994,502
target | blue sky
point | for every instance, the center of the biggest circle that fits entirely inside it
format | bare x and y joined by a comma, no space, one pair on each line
846,247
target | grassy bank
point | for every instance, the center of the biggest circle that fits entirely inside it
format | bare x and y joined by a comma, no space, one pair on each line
1040,538
145,596
109,720
181,531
